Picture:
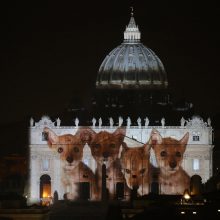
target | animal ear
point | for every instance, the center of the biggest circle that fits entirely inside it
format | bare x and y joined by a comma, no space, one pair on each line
120,132
86,135
185,139
122,149
155,138
52,138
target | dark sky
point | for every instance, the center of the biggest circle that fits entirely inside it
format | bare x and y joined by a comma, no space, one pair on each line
51,50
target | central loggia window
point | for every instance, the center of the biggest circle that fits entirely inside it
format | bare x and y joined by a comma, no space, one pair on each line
195,164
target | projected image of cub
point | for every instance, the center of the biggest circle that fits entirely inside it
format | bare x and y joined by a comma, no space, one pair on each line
169,156
136,167
74,171
105,150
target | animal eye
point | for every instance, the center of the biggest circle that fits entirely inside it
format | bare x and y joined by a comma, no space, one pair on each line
178,154
112,145
142,171
60,150
163,153
96,146
127,171
76,149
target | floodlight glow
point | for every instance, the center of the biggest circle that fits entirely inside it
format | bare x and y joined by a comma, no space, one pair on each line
186,195
45,195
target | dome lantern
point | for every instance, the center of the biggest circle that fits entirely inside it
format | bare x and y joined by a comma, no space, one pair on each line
132,33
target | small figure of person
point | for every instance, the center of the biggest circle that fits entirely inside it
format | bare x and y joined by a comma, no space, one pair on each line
77,122
182,122
100,122
93,122
139,122
55,197
120,121
146,122
209,122
163,122
128,122
111,122
58,122
31,122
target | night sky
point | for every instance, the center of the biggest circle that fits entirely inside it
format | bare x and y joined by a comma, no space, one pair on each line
51,50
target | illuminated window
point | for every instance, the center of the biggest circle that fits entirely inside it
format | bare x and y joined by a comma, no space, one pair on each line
196,164
45,165
44,136
195,138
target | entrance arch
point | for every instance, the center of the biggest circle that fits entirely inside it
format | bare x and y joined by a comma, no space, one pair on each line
45,186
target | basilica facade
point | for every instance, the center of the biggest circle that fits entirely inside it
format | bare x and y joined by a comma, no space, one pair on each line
124,147
47,166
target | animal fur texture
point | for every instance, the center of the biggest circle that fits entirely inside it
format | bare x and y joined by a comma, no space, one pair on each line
136,167
169,152
74,171
105,148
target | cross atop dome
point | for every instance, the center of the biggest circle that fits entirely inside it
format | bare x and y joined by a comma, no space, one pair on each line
132,11
132,33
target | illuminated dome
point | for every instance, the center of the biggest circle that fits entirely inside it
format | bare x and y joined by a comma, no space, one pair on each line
131,65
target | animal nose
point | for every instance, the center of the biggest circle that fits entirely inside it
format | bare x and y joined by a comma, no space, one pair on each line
69,159
173,164
105,154
134,176
135,187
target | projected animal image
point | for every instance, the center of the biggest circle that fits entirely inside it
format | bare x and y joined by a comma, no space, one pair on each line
126,166
74,171
105,148
169,152
136,167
